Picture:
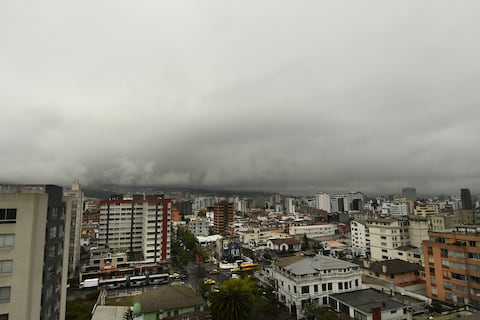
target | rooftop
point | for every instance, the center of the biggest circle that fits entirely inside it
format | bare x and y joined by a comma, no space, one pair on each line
303,265
366,299
168,298
395,266
280,241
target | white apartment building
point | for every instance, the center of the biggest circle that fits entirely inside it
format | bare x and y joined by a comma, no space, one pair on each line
396,209
139,225
301,279
418,229
199,227
322,201
316,230
360,237
34,242
386,235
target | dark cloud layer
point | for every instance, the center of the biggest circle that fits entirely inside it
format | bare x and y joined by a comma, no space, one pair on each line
274,95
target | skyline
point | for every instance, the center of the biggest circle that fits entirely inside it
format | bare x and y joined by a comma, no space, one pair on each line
267,96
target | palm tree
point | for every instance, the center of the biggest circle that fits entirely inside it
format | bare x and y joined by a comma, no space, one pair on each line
234,300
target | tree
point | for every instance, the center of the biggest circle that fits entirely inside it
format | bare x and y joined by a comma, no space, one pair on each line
305,243
313,311
234,299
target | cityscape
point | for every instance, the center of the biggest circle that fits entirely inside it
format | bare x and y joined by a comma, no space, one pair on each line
213,160
170,254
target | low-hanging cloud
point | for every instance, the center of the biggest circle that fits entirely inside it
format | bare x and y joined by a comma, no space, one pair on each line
318,96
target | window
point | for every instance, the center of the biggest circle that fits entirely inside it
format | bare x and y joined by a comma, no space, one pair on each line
324,287
6,267
434,291
315,287
330,286
340,286
7,241
4,316
8,215
305,289
5,294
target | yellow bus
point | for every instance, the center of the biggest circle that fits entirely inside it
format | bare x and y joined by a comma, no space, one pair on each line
248,266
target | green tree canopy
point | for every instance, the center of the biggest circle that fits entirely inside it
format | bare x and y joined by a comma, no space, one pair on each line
234,300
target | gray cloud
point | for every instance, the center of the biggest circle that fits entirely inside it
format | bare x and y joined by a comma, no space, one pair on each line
274,95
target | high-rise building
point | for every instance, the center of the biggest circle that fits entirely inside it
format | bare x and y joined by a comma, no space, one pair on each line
34,242
290,205
409,193
138,224
322,201
466,199
224,217
339,203
74,206
355,200
452,265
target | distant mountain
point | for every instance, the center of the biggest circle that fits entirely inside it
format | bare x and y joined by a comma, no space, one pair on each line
106,190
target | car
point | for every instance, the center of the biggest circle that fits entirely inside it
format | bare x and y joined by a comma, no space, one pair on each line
209,282
214,271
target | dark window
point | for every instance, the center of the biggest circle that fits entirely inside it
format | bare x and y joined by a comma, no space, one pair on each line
305,289
8,215
315,287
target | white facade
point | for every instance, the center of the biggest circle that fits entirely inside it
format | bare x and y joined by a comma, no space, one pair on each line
386,235
147,233
360,238
199,227
396,209
318,230
339,203
322,201
300,279
290,205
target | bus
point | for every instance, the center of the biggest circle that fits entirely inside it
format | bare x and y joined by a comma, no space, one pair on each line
112,283
158,278
248,266
137,281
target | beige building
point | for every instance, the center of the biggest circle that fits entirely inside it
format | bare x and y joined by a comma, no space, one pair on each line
34,233
260,236
74,206
426,210
387,235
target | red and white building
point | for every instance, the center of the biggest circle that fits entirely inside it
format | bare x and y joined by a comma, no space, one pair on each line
139,225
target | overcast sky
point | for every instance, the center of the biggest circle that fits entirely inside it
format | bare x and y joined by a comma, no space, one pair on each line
297,96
